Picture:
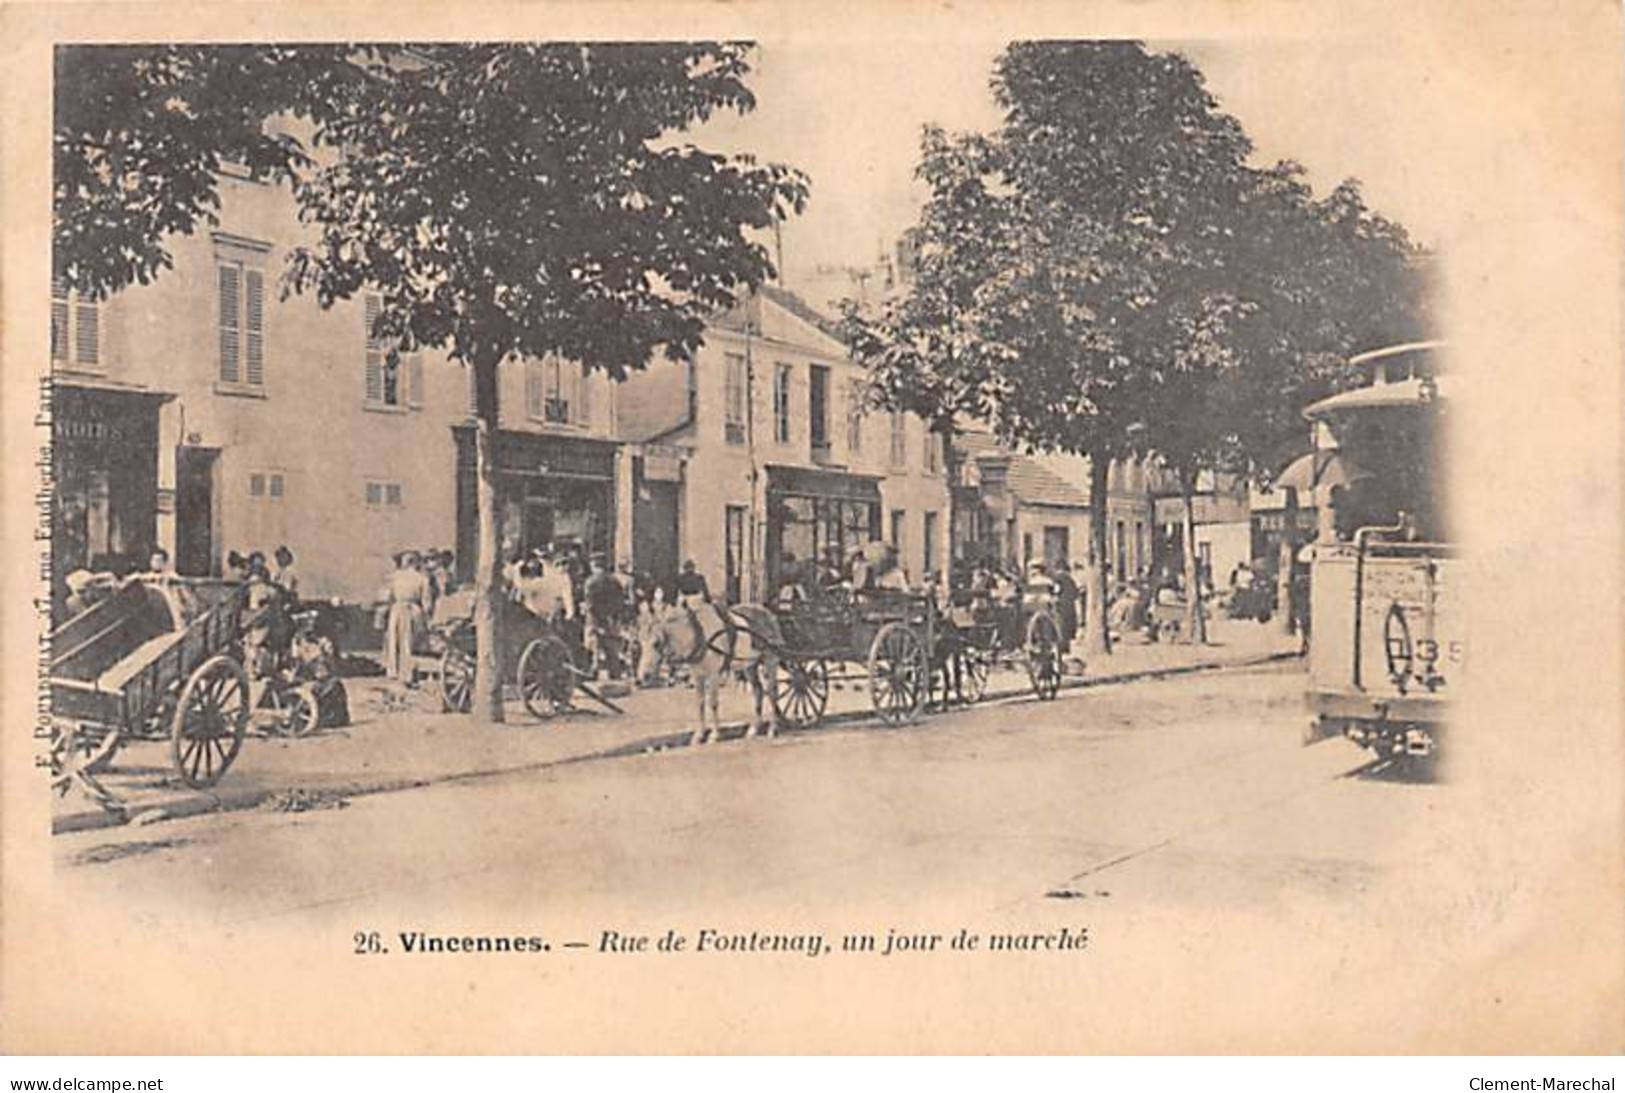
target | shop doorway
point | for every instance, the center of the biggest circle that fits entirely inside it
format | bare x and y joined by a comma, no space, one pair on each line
195,551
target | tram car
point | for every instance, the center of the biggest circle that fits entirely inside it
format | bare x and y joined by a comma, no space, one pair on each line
1387,650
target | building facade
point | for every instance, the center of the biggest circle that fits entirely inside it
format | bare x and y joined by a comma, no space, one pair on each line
1223,524
768,463
280,422
1020,511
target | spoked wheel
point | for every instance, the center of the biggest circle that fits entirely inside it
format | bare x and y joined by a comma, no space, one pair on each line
800,691
211,718
456,680
295,709
975,665
1044,655
546,676
899,673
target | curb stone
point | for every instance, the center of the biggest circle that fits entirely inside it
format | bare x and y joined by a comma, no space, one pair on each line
185,807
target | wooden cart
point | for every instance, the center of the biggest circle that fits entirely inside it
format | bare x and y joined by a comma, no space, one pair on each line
156,659
539,660
893,636
981,635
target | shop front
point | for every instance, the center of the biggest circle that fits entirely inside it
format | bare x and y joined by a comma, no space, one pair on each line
104,466
553,492
815,519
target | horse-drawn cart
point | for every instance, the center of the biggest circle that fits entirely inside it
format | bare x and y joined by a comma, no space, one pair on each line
982,635
910,649
538,658
155,659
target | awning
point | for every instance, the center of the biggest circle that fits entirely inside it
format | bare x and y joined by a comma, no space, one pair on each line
1327,467
806,482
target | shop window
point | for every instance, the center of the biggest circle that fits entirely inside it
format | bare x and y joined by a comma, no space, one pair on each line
75,329
733,404
781,403
899,519
240,315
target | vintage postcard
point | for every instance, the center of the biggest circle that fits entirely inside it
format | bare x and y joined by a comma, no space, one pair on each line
774,528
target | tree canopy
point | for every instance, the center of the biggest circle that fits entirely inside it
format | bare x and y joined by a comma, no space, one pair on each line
142,133
532,199
1109,275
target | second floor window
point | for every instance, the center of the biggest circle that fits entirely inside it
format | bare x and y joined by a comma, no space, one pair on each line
933,452
555,392
818,405
781,403
733,400
899,440
854,416
393,379
75,330
242,323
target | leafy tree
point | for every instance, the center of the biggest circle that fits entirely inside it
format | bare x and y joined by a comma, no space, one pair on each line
140,136
518,200
924,352
1124,283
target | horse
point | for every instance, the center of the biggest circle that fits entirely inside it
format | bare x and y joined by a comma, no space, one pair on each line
717,642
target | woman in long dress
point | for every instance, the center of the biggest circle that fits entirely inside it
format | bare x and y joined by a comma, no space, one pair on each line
408,595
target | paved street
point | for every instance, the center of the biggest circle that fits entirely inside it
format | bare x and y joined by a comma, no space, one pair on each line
1187,793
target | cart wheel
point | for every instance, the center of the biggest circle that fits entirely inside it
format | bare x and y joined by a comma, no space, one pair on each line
975,665
456,680
899,673
1044,655
546,676
211,718
296,710
800,691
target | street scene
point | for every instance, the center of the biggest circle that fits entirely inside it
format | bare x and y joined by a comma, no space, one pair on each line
499,446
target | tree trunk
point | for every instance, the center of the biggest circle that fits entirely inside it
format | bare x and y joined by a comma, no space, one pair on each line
1286,618
1096,640
950,473
1195,618
488,583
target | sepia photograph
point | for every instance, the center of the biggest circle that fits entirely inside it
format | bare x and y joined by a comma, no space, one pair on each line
954,533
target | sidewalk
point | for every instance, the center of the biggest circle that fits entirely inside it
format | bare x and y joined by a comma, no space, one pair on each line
400,740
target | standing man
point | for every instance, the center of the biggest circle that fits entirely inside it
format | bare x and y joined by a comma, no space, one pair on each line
1066,606
691,587
603,597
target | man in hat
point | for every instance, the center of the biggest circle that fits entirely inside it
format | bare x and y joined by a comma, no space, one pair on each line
691,587
603,597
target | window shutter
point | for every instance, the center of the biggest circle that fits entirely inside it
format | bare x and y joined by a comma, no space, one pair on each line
580,411
87,334
256,327
374,353
473,391
230,307
414,380
59,322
